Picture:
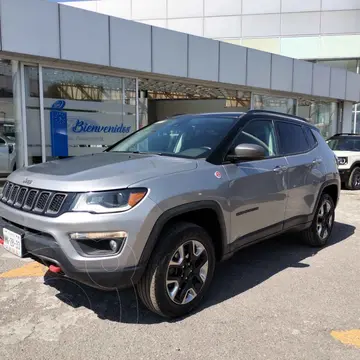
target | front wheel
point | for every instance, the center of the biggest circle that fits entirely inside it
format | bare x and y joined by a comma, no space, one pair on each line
321,228
354,179
179,272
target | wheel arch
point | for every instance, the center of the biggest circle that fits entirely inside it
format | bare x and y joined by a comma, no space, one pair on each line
191,212
330,187
354,165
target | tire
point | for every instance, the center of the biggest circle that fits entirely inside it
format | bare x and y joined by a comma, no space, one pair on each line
154,290
312,235
354,179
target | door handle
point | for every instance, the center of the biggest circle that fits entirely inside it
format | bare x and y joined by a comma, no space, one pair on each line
280,169
317,161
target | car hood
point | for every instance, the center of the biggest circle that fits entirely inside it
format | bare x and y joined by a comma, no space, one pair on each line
342,153
102,171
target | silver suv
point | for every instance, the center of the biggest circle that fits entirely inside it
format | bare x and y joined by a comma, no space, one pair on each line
159,208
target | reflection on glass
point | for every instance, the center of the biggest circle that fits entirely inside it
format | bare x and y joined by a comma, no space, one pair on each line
188,137
85,113
7,121
273,103
33,114
322,114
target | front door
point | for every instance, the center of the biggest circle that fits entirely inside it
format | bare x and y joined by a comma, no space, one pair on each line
257,189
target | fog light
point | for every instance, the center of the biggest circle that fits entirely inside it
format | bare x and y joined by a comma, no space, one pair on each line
113,245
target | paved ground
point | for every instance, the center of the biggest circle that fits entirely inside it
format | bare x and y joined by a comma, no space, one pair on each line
276,300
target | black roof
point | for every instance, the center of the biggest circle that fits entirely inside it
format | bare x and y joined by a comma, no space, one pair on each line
346,134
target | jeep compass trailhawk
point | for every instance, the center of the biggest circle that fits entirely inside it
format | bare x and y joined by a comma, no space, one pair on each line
159,208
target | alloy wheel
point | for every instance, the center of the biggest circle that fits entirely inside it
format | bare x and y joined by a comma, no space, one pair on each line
187,272
357,180
325,219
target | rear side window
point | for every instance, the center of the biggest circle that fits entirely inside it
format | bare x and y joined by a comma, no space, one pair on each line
310,137
292,138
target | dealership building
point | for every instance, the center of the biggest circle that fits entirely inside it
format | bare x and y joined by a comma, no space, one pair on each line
75,81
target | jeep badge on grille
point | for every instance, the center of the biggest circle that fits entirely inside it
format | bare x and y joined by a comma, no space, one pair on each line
27,181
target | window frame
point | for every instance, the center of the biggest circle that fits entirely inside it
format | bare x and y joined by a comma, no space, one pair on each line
310,128
242,128
301,126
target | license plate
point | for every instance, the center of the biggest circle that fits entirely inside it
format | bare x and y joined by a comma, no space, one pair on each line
13,242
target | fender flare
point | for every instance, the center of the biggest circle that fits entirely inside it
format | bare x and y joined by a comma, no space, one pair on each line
321,191
170,214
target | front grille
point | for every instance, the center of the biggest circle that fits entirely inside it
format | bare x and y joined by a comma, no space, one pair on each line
13,194
56,203
33,200
41,201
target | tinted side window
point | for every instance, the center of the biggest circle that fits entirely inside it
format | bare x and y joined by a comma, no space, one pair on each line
259,132
2,141
292,138
310,137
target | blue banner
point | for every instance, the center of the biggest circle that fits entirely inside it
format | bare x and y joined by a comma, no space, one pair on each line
59,126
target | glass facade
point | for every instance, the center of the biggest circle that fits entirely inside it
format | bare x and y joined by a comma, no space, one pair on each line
73,113
49,113
274,103
324,115
354,66
7,120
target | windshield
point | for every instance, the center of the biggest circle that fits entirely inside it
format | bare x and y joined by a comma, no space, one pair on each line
185,136
347,143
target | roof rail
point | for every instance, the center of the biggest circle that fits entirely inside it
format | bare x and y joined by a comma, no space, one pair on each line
339,134
279,114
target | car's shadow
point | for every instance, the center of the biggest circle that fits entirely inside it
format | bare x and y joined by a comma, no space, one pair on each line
245,270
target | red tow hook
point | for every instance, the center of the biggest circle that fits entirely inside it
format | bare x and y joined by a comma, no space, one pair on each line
54,269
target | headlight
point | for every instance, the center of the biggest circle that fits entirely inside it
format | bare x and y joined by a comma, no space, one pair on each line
342,160
108,201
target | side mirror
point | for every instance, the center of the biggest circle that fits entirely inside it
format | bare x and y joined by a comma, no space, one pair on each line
247,152
11,148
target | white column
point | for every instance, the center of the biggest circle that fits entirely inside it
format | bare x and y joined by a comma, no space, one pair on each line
137,104
16,78
42,115
347,117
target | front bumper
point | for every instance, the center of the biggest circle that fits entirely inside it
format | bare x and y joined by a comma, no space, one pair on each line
47,239
344,175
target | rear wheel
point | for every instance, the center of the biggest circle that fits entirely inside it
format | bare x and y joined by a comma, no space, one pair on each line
320,230
179,272
354,179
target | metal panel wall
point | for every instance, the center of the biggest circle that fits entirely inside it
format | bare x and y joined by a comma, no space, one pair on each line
84,36
258,69
30,27
338,83
87,37
169,52
282,73
352,86
185,8
321,80
203,58
130,45
302,82
232,64
260,6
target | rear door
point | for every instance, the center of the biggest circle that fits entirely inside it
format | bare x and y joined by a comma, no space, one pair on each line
257,189
304,170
